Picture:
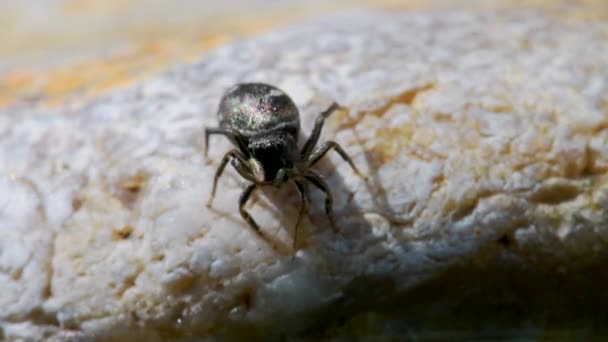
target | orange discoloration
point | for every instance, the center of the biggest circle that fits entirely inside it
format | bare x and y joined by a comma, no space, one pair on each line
19,80
95,77
157,43
15,83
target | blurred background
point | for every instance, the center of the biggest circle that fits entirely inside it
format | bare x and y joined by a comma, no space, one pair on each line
56,49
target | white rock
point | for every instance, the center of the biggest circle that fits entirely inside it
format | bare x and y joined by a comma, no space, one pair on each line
476,126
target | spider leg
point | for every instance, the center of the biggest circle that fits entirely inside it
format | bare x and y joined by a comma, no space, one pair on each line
316,131
243,169
323,149
282,176
230,133
302,188
317,181
230,155
244,214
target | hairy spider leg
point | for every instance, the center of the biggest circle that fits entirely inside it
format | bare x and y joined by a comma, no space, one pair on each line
228,132
242,169
323,149
317,181
303,189
282,176
312,140
244,214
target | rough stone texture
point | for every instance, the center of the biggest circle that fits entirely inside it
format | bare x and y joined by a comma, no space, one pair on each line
483,136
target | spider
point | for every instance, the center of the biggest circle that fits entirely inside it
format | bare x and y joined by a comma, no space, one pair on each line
263,124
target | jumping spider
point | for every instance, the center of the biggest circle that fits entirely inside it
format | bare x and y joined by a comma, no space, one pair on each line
263,123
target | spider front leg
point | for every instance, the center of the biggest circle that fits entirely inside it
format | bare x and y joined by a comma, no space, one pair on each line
282,176
309,145
317,181
244,214
241,169
323,149
230,133
302,188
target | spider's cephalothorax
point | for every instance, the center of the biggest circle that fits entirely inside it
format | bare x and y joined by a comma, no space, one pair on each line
263,123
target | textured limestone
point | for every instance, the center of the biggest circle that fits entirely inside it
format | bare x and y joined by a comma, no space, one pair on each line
483,136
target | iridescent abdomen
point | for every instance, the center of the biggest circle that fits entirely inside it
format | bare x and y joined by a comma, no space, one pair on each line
255,108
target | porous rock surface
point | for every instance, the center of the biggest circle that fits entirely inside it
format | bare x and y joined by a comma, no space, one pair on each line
482,136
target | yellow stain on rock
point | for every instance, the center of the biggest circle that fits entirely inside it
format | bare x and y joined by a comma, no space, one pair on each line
97,76
155,45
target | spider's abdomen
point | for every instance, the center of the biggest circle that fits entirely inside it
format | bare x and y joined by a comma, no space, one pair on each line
255,109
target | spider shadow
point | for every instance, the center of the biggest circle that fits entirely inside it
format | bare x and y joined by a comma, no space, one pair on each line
354,222
283,205
315,234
